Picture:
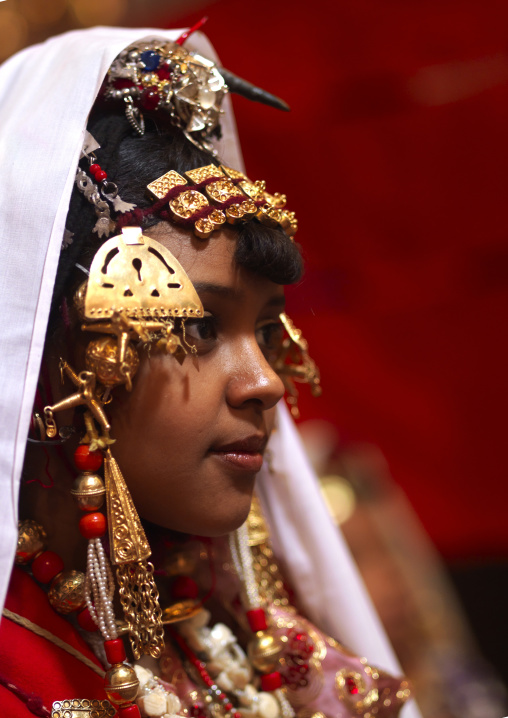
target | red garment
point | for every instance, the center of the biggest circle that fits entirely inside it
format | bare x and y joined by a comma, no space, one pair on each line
34,664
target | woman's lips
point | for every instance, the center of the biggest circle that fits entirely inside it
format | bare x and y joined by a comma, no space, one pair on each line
245,454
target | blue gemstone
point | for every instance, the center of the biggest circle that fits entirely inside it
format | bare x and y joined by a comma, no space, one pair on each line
150,60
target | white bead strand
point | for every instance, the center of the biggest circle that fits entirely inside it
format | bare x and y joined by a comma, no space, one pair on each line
99,590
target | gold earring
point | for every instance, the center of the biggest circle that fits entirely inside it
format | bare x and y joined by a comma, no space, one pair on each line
293,364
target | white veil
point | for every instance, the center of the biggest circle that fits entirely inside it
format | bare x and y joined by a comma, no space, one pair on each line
43,113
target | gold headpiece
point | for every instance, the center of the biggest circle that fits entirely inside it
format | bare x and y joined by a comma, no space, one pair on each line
218,195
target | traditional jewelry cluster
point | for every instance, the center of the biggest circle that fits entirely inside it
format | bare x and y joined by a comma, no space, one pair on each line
162,75
218,195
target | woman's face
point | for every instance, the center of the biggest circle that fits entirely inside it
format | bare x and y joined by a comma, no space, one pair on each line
190,438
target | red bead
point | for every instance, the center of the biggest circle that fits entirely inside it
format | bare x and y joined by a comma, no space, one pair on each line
257,620
271,681
46,566
100,175
85,459
92,525
115,651
228,706
236,714
150,98
86,621
94,168
351,686
131,711
184,587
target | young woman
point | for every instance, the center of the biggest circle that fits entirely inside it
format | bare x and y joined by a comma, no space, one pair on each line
157,404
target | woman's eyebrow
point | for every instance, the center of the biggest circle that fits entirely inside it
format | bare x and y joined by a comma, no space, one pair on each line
220,290
226,292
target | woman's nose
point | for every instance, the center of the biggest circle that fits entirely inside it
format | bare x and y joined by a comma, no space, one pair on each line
252,379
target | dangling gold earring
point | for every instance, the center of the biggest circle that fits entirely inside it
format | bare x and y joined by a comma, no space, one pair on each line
129,550
135,290
293,364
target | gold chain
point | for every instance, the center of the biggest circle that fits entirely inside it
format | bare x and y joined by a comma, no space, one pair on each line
140,602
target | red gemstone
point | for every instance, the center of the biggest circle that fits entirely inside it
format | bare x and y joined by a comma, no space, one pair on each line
92,525
115,651
131,711
122,83
164,72
150,98
184,587
351,686
257,620
46,566
86,621
271,681
228,706
85,459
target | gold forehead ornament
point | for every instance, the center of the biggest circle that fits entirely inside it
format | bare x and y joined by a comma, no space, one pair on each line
217,195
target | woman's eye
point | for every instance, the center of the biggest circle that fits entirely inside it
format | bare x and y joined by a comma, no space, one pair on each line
269,337
201,333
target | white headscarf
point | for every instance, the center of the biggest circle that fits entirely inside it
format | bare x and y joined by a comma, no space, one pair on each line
46,93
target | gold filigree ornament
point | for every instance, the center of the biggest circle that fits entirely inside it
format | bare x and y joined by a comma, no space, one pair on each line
129,551
135,291
218,195
82,708
293,364
367,698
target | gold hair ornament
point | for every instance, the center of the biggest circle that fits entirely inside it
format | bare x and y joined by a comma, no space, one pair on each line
156,74
218,195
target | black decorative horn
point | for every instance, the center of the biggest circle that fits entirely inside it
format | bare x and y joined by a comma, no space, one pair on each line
251,92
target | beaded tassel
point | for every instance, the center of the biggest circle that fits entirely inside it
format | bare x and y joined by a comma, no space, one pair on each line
121,683
99,590
265,648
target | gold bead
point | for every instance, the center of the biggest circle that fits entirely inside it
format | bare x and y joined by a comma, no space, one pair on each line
31,541
264,651
102,358
88,491
79,299
121,684
67,591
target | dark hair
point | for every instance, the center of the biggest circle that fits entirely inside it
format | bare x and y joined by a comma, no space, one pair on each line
132,162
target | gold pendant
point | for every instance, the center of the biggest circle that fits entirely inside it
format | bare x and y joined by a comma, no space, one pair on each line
129,549
127,537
